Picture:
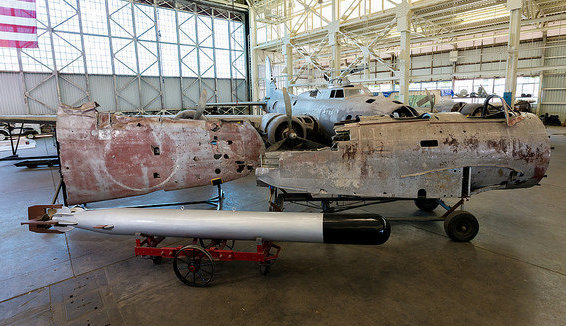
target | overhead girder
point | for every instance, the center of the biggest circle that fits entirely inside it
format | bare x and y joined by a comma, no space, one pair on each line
433,24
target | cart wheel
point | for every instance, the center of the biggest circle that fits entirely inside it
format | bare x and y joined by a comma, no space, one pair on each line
193,266
265,267
427,205
461,226
157,260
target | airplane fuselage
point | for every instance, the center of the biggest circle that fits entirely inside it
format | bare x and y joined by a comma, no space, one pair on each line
447,155
106,156
333,105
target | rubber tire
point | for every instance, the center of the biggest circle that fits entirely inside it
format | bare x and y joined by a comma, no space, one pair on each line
426,204
461,226
385,233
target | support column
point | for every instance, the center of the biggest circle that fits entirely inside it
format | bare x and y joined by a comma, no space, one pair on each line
403,26
254,82
333,39
394,62
541,74
514,7
366,61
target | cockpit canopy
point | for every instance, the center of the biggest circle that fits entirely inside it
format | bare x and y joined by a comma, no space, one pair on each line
340,92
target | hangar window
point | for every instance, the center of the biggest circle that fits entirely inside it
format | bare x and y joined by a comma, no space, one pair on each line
129,38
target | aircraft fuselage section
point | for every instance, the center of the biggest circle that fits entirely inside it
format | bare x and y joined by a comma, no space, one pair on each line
330,111
105,156
447,155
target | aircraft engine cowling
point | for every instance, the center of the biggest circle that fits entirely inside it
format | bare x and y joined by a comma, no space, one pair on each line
274,126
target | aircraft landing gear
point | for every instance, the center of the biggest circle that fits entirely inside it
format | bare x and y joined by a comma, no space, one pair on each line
461,226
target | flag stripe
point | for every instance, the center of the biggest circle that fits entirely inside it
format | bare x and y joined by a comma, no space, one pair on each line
17,44
26,5
17,12
18,24
18,36
18,29
17,21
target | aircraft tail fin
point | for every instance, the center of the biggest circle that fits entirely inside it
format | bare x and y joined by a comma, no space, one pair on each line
270,86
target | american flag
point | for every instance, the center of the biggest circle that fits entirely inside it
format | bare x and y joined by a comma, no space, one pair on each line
18,25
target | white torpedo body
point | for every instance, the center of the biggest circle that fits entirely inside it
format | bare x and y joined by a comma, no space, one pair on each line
368,229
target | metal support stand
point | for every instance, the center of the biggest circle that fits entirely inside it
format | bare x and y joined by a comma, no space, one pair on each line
14,155
49,160
449,209
213,201
194,264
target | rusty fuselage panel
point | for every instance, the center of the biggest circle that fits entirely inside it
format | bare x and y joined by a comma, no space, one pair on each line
448,155
106,156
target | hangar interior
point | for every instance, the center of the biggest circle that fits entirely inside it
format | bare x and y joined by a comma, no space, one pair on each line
159,58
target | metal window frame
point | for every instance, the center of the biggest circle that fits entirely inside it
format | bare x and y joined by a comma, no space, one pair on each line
40,92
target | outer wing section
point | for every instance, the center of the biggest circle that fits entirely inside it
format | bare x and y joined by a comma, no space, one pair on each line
43,119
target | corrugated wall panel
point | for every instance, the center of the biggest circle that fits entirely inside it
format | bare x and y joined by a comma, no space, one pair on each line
226,94
442,59
172,93
150,93
242,90
420,61
420,72
469,56
554,81
129,98
102,92
43,93
191,92
11,94
73,89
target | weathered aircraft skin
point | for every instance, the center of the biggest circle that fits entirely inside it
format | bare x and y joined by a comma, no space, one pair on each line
106,156
447,155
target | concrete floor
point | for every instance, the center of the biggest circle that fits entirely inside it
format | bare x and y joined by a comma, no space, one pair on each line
514,272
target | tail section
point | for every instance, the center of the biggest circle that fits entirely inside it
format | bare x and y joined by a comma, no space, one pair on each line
270,86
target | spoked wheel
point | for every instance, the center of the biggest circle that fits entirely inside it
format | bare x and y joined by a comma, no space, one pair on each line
461,226
194,266
220,244
426,204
